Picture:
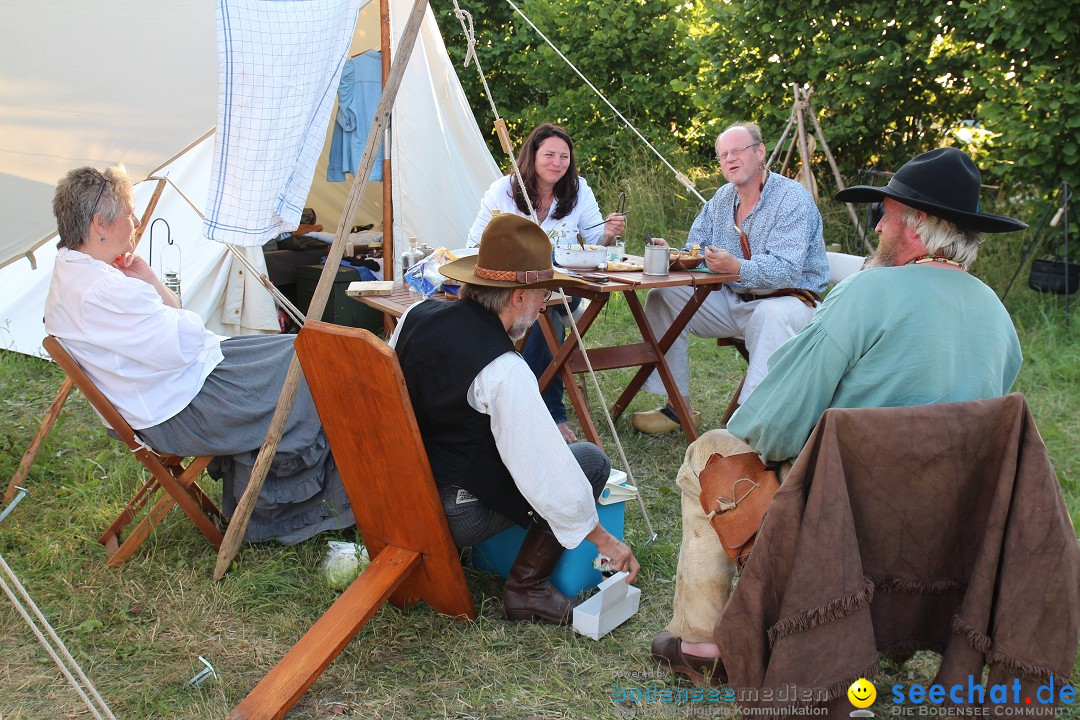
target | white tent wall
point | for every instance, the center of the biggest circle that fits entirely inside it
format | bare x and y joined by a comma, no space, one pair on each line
68,99
60,109
440,165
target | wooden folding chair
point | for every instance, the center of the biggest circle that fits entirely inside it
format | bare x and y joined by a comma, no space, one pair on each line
360,393
167,472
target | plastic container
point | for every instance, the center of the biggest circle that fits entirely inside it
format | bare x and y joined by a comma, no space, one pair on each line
574,572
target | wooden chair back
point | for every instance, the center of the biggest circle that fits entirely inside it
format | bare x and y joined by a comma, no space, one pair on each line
167,472
360,393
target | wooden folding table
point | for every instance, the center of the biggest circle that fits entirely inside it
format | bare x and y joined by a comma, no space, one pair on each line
647,355
567,359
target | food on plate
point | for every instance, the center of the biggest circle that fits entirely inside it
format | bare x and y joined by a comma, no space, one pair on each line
618,265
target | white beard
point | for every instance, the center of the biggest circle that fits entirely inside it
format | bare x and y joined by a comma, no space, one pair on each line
519,328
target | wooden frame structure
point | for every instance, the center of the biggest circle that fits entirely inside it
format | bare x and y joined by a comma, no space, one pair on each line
360,393
167,472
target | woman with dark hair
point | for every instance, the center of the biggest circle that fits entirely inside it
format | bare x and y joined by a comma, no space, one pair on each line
565,207
185,390
564,203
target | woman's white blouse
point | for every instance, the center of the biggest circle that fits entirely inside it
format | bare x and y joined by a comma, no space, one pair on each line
148,359
563,231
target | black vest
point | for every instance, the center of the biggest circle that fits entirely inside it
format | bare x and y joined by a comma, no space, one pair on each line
442,347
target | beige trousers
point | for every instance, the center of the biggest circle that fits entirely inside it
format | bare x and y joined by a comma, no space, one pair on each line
704,576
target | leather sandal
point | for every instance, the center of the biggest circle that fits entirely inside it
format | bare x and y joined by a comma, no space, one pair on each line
667,651
660,421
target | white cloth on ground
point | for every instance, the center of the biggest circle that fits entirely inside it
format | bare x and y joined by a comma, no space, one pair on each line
764,325
279,66
534,452
148,359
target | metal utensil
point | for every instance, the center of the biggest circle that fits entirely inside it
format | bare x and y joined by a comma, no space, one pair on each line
620,209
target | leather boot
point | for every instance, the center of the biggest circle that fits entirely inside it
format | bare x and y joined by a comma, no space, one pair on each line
528,594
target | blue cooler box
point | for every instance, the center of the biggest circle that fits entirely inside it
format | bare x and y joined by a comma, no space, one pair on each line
574,571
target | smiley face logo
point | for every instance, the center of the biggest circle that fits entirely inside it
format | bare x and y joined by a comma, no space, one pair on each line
862,693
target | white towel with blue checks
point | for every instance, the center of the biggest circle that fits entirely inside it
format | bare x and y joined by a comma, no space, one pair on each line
279,66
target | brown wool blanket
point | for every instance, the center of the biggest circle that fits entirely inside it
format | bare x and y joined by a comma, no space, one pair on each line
938,527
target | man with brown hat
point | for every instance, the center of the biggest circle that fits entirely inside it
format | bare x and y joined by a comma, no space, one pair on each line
497,456
912,328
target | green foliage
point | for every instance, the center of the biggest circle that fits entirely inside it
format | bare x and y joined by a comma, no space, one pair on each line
1023,58
633,52
890,80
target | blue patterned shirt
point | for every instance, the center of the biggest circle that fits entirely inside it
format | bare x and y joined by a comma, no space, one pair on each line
784,230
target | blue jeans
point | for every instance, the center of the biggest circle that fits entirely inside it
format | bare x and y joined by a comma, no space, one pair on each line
538,356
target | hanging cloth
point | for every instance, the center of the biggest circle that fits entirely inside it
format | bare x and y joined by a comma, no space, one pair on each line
358,98
278,66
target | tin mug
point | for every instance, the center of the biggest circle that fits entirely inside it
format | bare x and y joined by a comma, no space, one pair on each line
657,259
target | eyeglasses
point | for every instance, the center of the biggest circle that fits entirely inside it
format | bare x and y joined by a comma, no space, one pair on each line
735,153
548,294
104,183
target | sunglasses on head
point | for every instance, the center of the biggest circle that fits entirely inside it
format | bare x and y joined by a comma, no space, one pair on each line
104,183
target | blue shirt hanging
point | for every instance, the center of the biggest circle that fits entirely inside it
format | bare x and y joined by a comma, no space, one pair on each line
358,98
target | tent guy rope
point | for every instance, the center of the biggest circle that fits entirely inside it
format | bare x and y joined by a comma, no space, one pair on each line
686,182
53,645
504,137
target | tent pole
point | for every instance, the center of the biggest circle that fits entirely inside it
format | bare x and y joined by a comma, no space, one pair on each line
60,400
387,189
230,545
801,97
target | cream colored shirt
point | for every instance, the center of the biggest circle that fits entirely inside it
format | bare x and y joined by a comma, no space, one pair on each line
531,447
148,359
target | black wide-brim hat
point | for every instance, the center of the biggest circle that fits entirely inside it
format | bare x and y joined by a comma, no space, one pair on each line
943,183
514,253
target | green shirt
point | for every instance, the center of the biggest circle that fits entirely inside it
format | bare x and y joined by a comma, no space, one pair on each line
885,337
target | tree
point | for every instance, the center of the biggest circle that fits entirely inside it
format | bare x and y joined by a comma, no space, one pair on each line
634,52
894,80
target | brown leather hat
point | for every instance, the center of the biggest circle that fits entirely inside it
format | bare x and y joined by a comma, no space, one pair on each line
515,253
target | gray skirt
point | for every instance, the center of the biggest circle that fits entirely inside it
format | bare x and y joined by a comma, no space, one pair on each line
303,494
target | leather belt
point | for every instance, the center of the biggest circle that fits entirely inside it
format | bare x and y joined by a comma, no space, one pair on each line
809,298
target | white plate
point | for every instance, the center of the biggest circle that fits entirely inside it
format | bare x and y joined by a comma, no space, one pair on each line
578,268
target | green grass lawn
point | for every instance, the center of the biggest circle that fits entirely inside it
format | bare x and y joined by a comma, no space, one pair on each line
138,631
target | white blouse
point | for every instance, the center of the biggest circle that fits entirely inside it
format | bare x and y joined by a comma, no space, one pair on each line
563,231
148,359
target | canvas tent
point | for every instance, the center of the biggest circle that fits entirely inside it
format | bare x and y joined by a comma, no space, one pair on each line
149,99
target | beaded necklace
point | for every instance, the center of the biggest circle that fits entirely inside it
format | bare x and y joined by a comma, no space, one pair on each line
934,258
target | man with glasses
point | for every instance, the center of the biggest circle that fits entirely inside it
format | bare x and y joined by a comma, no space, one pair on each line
765,229
496,454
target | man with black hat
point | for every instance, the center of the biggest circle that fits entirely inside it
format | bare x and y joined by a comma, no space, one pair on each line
497,456
912,328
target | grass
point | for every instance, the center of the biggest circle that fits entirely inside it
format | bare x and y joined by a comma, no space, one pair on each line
138,631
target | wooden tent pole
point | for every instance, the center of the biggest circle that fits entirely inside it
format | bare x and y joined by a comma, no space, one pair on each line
836,175
239,521
387,189
60,400
804,149
787,157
